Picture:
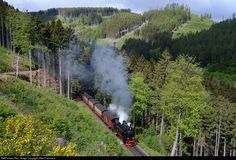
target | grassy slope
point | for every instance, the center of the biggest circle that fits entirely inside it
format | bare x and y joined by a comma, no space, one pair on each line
121,41
6,59
60,114
196,24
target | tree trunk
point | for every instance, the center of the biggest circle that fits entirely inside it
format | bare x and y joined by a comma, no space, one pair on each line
174,148
194,146
162,128
216,143
10,38
224,146
204,151
201,147
30,65
143,120
44,70
38,62
153,120
3,41
17,65
60,73
71,91
162,125
7,39
133,119
68,83
53,64
180,145
197,148
1,34
147,118
156,122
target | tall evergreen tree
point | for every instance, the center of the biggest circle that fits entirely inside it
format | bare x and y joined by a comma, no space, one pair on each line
183,99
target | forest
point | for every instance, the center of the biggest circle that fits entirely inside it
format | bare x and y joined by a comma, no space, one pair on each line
182,78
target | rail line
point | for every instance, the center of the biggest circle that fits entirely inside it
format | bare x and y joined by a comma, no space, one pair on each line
134,151
137,151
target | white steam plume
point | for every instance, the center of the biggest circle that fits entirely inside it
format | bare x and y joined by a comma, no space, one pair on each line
110,73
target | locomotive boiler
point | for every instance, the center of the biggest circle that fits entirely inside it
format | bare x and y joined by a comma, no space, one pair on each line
124,131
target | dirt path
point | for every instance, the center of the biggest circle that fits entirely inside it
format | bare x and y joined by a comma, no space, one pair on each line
9,74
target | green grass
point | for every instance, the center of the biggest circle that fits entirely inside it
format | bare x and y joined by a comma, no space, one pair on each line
148,150
6,108
104,18
104,41
6,61
196,24
122,40
61,115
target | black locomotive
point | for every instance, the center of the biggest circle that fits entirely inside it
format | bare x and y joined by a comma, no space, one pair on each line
123,131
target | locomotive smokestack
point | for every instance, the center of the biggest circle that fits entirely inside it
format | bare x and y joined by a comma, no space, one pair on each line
111,78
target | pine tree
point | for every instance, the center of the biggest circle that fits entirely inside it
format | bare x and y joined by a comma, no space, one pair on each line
183,99
141,93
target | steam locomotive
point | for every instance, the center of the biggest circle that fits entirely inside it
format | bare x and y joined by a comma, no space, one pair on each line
124,131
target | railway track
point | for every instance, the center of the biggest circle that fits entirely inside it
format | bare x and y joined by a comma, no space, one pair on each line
134,151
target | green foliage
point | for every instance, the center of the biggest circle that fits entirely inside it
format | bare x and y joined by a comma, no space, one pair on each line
5,61
22,136
214,47
149,139
164,20
184,93
141,93
87,33
68,150
77,12
227,75
220,109
22,32
6,109
59,35
196,24
113,26
75,86
62,116
123,39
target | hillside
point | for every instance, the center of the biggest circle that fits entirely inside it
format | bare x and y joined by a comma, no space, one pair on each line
77,12
62,116
6,59
119,25
195,24
213,48
169,74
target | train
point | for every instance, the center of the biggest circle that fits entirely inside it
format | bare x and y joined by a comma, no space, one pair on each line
123,130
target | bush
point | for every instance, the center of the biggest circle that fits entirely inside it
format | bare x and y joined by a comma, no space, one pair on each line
23,137
62,116
161,144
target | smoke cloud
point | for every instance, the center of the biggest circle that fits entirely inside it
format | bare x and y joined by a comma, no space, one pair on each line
72,61
107,70
110,73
